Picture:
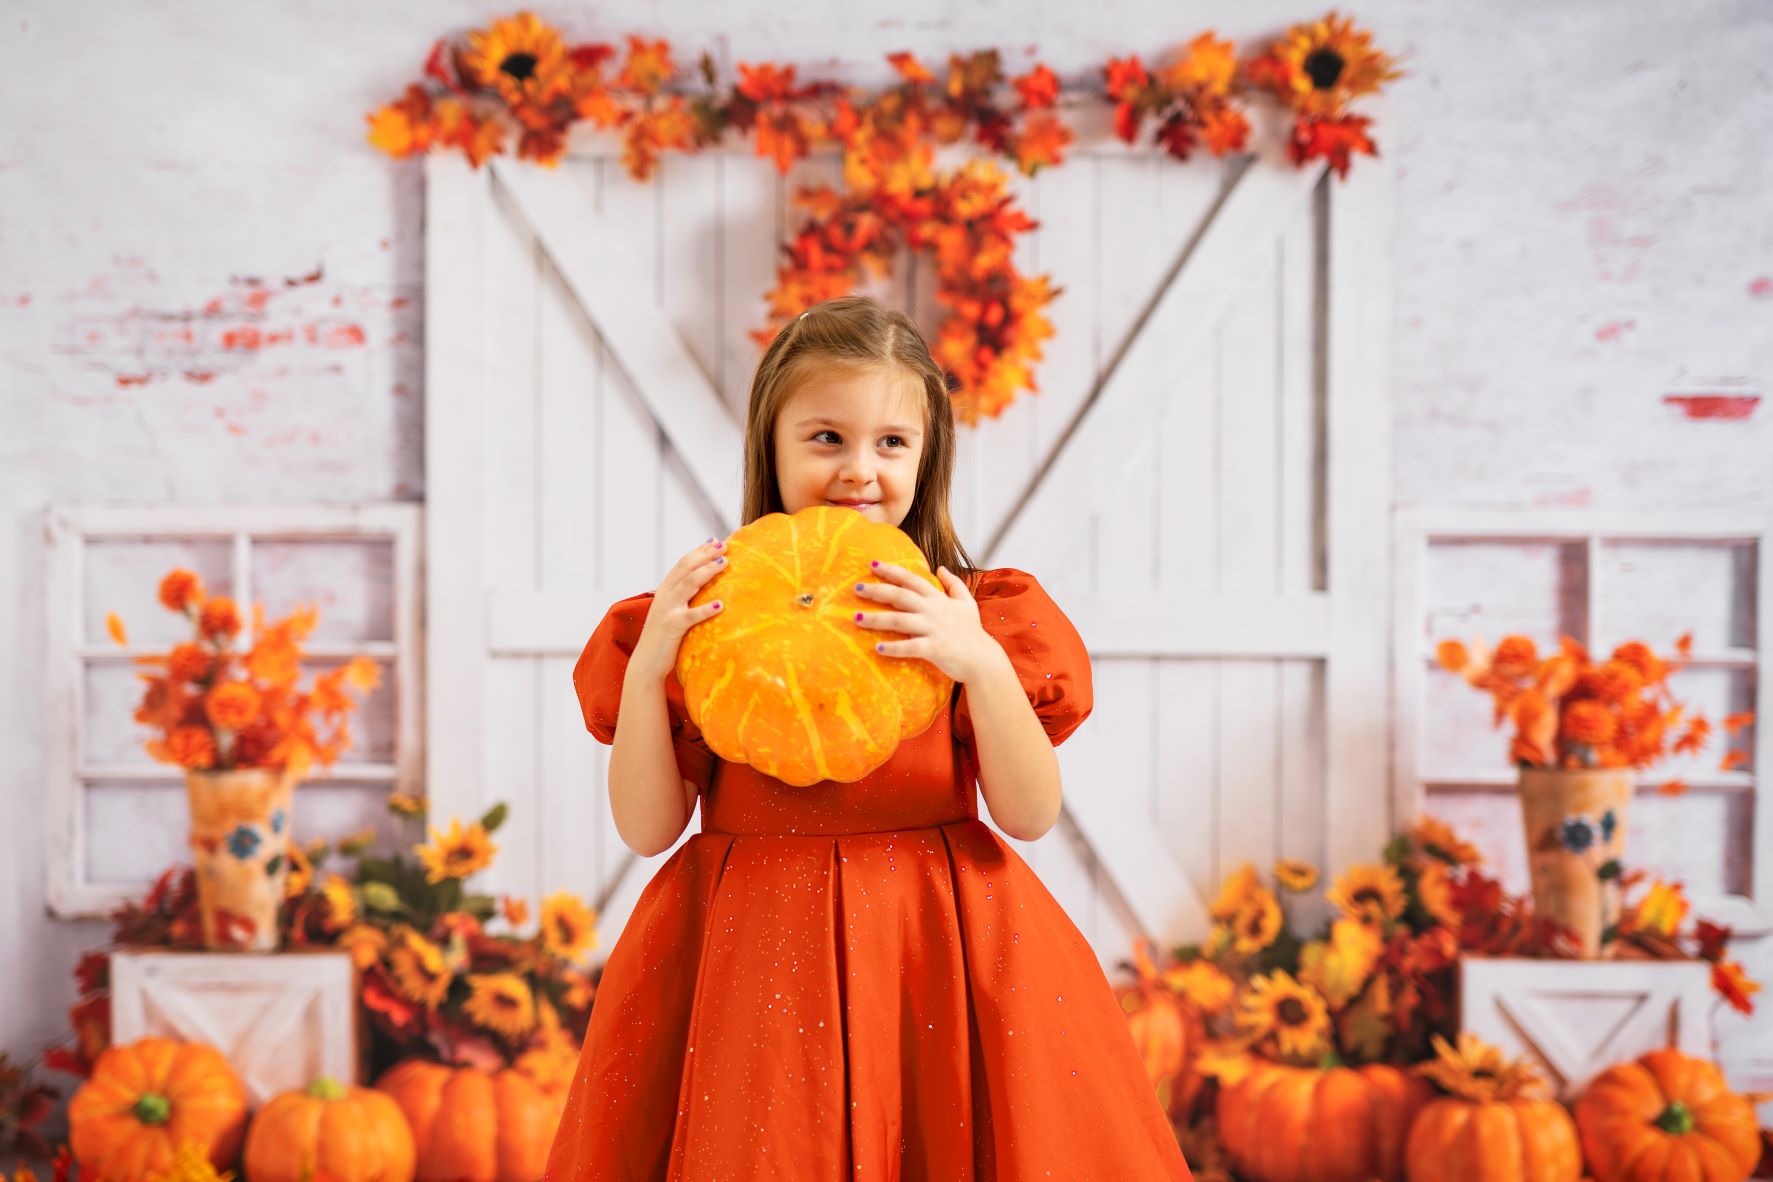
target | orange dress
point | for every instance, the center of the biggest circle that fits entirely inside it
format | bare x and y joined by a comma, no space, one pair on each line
858,982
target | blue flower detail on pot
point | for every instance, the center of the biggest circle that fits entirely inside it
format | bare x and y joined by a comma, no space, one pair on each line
243,841
1609,823
277,821
1577,834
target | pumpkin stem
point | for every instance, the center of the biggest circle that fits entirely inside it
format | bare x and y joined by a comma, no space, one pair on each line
152,1108
326,1088
1677,1118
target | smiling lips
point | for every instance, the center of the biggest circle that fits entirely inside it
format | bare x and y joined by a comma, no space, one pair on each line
853,504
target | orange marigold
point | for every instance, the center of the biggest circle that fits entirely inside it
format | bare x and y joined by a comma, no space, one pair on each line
1616,681
232,705
1516,656
190,747
189,662
181,589
1589,722
220,617
1638,655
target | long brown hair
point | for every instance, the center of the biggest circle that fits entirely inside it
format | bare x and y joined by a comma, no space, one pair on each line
858,333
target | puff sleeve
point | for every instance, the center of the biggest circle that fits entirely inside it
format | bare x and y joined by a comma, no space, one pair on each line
1048,655
598,676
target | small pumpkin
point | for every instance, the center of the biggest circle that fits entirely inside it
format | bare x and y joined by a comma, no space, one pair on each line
783,678
329,1130
148,1097
1168,1032
1666,1116
470,1125
1301,1124
1495,1122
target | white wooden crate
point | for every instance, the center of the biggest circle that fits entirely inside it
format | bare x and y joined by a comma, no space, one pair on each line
282,1019
1575,1019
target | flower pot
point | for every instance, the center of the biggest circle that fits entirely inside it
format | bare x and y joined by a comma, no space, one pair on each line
240,843
1575,822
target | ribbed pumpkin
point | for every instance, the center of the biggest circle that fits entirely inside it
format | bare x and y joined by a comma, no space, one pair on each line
1302,1124
783,678
147,1097
475,1126
329,1130
1493,1125
1666,1116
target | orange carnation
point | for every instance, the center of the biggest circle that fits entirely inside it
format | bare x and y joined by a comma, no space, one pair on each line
181,589
1516,656
232,705
189,662
220,618
1590,723
190,747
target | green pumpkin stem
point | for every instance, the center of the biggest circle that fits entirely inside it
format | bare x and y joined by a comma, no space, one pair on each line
1677,1118
326,1088
152,1108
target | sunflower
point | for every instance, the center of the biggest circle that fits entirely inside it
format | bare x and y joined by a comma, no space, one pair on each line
1374,894
1476,1071
1294,1013
1295,876
522,58
1338,967
341,904
458,853
365,943
405,804
1434,890
1319,67
420,973
301,872
1201,982
502,1003
568,926
1257,924
1438,840
1235,892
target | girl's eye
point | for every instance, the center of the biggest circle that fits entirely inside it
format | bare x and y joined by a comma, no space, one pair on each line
900,439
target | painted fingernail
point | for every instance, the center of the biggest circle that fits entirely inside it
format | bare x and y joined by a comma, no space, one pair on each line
720,545
874,564
710,539
720,560
858,617
880,648
858,586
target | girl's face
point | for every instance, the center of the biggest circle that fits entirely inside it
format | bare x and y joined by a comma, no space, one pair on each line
852,439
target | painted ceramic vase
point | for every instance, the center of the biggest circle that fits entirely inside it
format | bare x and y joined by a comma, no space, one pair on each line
1575,822
240,846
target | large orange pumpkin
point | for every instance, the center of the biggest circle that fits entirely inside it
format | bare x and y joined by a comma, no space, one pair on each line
1666,1116
783,678
146,1098
475,1126
328,1130
1301,1124
1496,1123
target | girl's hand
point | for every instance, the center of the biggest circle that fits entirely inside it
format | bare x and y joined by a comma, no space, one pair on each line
670,616
941,626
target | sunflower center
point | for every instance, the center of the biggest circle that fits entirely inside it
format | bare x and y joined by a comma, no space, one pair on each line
520,66
1324,66
1369,898
1291,1012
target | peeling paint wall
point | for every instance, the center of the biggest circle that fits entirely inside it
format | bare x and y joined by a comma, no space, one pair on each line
211,289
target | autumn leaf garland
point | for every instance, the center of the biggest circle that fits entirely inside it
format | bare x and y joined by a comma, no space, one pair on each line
520,79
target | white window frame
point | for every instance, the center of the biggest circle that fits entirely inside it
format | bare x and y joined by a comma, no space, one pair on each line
68,530
1418,529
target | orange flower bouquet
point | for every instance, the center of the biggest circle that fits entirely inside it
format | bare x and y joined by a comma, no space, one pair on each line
244,731
1580,728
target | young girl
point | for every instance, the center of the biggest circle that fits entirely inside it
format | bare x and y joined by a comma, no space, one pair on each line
857,982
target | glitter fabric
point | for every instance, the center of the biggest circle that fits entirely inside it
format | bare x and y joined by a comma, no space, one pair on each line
858,981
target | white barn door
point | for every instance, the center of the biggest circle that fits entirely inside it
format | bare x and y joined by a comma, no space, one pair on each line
1203,483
